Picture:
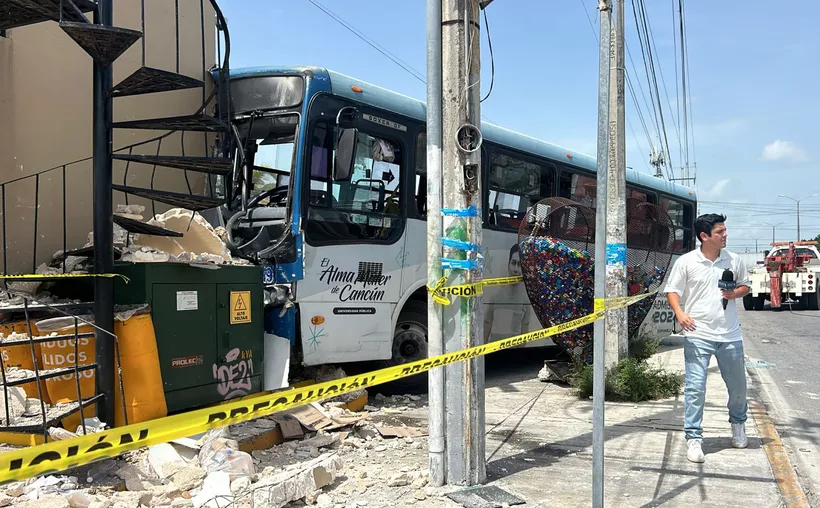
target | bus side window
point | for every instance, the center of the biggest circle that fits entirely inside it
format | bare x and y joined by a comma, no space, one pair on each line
421,175
681,216
579,188
514,186
636,194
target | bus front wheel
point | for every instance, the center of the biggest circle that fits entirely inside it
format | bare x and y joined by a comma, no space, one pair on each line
410,344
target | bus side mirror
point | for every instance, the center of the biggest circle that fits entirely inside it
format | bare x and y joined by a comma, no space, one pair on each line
345,154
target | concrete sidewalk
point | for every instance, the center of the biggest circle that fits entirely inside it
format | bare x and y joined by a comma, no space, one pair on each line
539,447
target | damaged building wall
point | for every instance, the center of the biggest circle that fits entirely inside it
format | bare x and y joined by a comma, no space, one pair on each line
46,121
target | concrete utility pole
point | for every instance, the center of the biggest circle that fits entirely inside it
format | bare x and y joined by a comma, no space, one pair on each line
462,321
435,343
617,339
599,350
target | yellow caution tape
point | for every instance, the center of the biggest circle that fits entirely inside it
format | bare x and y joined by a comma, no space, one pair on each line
470,290
61,455
24,276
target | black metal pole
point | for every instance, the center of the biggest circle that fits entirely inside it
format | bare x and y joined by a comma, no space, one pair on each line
103,227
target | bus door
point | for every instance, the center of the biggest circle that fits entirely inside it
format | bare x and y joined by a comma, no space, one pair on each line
354,232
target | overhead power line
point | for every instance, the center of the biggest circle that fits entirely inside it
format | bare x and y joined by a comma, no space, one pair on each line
375,45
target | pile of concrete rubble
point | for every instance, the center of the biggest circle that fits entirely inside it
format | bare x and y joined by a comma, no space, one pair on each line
201,243
327,456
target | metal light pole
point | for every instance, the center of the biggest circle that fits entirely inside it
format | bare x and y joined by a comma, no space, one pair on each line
798,209
434,337
755,239
599,349
774,226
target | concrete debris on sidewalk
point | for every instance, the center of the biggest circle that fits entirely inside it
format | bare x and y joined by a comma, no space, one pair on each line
335,458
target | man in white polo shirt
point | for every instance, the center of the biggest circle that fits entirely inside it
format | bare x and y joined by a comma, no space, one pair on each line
710,327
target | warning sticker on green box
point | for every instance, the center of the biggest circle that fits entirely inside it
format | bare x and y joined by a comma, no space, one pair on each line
240,307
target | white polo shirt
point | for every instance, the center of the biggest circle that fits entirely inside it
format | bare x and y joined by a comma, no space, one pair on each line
695,279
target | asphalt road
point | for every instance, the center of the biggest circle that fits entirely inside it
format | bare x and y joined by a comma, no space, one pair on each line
783,358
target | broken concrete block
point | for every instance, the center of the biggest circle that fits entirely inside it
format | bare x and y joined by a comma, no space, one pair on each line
131,475
188,477
137,254
280,489
50,501
15,489
320,441
78,500
241,484
200,238
33,407
130,209
165,460
324,500
399,480
16,403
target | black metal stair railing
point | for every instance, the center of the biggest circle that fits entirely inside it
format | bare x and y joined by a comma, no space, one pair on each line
11,188
104,43
50,416
210,164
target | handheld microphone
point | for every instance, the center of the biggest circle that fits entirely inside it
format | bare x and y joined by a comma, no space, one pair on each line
727,283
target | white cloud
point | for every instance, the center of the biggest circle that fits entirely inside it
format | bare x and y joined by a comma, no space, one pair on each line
780,150
717,190
714,191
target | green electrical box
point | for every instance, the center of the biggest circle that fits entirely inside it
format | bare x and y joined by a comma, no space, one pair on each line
209,326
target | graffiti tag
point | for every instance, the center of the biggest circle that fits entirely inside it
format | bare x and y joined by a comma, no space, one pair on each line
234,376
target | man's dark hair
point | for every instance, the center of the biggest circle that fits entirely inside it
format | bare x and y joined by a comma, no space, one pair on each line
706,223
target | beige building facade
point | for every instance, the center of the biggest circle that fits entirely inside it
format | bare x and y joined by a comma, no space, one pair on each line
46,108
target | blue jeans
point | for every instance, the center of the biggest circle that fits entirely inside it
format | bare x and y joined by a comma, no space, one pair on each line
697,353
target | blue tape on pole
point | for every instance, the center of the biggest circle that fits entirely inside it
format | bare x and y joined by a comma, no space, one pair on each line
458,244
616,254
459,264
471,211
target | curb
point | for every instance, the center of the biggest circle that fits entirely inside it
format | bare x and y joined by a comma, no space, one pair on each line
784,474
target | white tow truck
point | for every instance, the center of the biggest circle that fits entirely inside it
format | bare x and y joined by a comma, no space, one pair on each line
788,273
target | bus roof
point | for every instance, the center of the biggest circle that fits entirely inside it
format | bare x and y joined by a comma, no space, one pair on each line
379,97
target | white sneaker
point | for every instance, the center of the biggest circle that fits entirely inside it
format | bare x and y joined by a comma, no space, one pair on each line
695,451
739,439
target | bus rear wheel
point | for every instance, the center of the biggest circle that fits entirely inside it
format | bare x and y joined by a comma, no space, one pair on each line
410,344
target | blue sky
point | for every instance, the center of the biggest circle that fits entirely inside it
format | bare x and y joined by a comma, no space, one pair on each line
755,111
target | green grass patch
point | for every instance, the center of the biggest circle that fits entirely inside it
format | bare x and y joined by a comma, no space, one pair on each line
632,379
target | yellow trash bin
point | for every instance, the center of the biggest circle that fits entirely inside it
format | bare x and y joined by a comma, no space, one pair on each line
141,376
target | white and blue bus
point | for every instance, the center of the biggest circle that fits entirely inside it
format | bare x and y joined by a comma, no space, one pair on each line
346,258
